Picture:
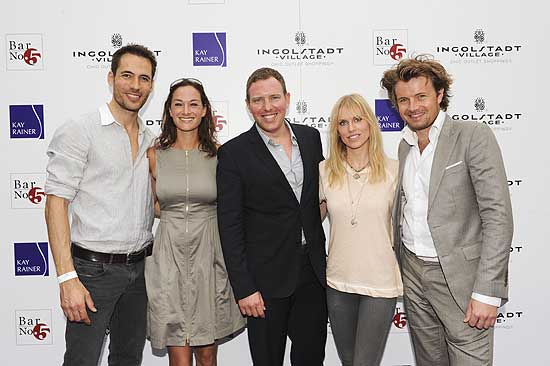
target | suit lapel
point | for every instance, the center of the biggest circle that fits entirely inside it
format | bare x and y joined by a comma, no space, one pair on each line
267,160
445,145
397,213
404,148
306,154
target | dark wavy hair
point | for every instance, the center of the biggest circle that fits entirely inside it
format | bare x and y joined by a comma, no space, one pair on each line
168,134
421,65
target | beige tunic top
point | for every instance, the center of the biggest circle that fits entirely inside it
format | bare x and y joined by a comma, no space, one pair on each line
361,258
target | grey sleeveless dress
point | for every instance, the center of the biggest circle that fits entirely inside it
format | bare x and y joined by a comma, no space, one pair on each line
190,298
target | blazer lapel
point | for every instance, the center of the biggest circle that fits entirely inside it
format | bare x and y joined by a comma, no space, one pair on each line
404,148
397,212
307,156
268,161
445,145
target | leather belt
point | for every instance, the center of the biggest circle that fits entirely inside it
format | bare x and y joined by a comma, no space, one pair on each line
99,257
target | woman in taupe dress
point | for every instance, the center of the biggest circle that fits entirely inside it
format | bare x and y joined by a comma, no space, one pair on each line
191,304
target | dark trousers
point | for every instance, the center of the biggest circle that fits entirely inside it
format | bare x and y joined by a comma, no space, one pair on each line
302,316
118,292
360,326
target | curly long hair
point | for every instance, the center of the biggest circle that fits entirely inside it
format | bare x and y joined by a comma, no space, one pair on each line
206,130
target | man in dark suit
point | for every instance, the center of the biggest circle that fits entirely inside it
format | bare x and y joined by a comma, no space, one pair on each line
270,227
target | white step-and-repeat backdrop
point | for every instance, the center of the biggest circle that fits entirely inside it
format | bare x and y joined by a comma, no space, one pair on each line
55,58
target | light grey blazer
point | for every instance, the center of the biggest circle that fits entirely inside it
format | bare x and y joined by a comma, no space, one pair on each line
469,210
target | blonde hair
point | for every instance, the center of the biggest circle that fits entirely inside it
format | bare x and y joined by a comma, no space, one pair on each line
335,165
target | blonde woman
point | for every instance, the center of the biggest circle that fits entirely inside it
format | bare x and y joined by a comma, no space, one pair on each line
357,186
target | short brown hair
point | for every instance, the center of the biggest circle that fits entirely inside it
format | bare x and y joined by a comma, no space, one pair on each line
136,50
263,74
421,65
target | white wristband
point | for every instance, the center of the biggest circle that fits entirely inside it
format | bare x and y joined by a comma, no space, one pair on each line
67,276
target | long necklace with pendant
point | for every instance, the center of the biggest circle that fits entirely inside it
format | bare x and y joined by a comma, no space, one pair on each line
353,220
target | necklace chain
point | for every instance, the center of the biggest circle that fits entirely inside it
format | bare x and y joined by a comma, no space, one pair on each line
356,175
358,170
353,220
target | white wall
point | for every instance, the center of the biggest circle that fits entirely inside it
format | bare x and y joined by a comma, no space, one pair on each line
344,34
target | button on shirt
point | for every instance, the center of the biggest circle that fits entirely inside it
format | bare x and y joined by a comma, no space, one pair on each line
416,235
111,201
416,185
292,168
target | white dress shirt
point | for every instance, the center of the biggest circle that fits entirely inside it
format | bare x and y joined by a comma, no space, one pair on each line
416,235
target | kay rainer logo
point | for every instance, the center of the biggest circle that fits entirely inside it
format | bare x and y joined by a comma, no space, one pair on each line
209,49
388,117
27,121
31,259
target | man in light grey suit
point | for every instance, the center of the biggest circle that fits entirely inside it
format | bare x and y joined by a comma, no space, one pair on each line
452,220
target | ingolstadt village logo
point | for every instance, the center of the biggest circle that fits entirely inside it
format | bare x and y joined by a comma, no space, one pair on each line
500,121
100,58
116,40
301,107
304,115
301,52
506,318
300,38
480,50
479,36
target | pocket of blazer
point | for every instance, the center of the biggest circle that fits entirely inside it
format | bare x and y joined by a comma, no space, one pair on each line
453,165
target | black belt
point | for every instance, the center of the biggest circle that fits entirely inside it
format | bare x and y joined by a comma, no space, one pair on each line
99,257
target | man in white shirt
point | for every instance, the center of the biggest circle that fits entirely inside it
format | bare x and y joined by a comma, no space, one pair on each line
452,220
98,174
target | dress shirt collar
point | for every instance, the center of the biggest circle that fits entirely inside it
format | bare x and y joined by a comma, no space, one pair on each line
268,141
107,118
411,138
